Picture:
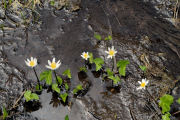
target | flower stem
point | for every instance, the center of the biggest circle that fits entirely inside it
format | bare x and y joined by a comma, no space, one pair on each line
37,78
56,76
85,63
114,65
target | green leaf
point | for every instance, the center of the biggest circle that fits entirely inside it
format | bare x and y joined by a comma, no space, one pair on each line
30,96
165,102
59,79
83,69
39,88
178,101
43,75
46,75
78,88
49,78
10,2
97,36
122,66
67,73
66,117
64,97
109,37
99,62
27,95
75,91
34,96
91,58
166,116
115,79
66,86
5,113
5,4
55,87
52,2
143,68
109,72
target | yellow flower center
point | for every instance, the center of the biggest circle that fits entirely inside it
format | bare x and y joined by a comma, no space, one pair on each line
32,63
85,55
111,52
143,84
53,65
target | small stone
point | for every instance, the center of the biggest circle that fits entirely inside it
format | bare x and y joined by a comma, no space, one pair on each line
2,13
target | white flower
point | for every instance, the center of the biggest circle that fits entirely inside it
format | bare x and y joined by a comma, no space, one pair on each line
53,65
111,52
143,84
31,62
85,55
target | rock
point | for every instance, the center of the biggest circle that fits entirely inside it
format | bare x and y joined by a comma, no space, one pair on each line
2,13
14,18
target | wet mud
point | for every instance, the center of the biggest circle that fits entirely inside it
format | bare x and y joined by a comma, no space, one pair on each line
140,35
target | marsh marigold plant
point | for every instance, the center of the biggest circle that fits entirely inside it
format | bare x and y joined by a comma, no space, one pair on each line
111,52
32,62
85,55
143,84
53,65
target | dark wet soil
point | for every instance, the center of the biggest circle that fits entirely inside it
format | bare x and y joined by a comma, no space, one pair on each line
139,34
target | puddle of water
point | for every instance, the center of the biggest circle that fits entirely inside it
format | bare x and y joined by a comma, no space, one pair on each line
50,110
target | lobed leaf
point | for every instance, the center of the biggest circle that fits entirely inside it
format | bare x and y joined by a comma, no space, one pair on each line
39,88
122,66
109,37
55,87
78,88
98,62
166,116
27,95
165,102
66,117
97,36
46,75
91,58
115,79
66,86
34,96
64,97
109,72
59,79
5,113
83,69
67,73
178,101
143,68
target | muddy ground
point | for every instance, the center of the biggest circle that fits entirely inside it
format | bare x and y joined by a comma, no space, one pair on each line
140,33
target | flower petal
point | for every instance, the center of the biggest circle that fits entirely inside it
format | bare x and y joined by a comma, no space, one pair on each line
58,62
139,82
48,67
107,52
109,56
143,80
28,60
53,60
139,88
27,63
49,62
